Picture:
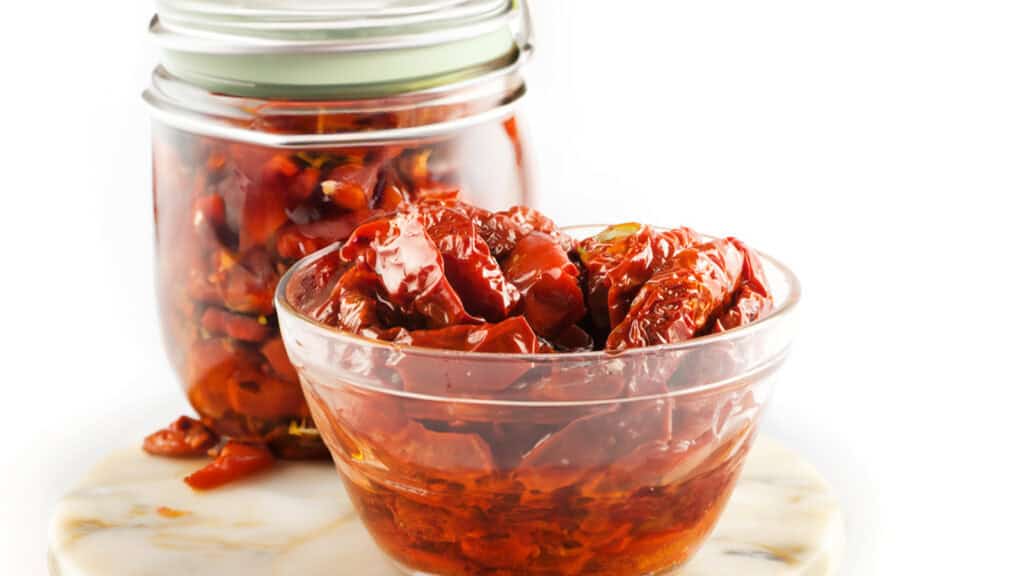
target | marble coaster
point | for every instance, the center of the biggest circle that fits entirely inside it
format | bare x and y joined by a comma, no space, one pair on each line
132,515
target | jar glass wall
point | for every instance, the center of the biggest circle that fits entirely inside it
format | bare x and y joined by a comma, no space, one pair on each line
243,187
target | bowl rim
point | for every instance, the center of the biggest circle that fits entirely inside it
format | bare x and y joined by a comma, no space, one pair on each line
780,312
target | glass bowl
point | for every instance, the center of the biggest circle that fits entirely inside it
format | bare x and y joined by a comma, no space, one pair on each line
581,463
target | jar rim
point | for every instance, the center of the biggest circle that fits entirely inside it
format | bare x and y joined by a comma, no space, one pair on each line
272,47
492,95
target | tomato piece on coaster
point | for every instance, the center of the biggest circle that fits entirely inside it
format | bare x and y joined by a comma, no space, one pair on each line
182,438
236,460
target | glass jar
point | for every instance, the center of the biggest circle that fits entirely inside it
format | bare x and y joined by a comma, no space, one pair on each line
277,129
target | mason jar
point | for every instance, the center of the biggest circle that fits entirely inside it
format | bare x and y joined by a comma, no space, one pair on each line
277,128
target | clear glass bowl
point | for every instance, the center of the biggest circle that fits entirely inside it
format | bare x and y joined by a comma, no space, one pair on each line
583,463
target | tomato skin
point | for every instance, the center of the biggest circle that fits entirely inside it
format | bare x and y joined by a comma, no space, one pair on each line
548,282
572,339
357,304
295,241
410,269
209,211
263,396
311,287
350,186
678,302
185,437
512,336
245,282
503,230
236,460
274,352
265,205
429,376
753,299
468,263
619,260
446,453
220,322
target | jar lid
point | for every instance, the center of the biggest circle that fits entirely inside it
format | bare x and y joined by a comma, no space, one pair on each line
310,48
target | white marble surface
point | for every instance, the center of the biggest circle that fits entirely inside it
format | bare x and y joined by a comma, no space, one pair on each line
133,516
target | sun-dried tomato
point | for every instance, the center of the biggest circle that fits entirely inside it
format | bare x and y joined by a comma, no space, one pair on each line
503,230
209,211
357,303
512,129
444,453
295,241
211,364
311,287
182,438
410,268
512,336
595,441
619,260
351,186
236,460
274,352
264,396
468,263
427,375
752,300
572,339
677,302
240,327
245,283
547,279
265,205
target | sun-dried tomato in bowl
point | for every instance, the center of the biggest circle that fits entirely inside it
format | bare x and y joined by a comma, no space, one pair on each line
505,397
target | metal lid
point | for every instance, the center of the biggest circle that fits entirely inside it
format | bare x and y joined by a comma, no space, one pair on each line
314,47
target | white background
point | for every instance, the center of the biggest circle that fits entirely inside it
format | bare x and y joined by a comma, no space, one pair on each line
876,146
